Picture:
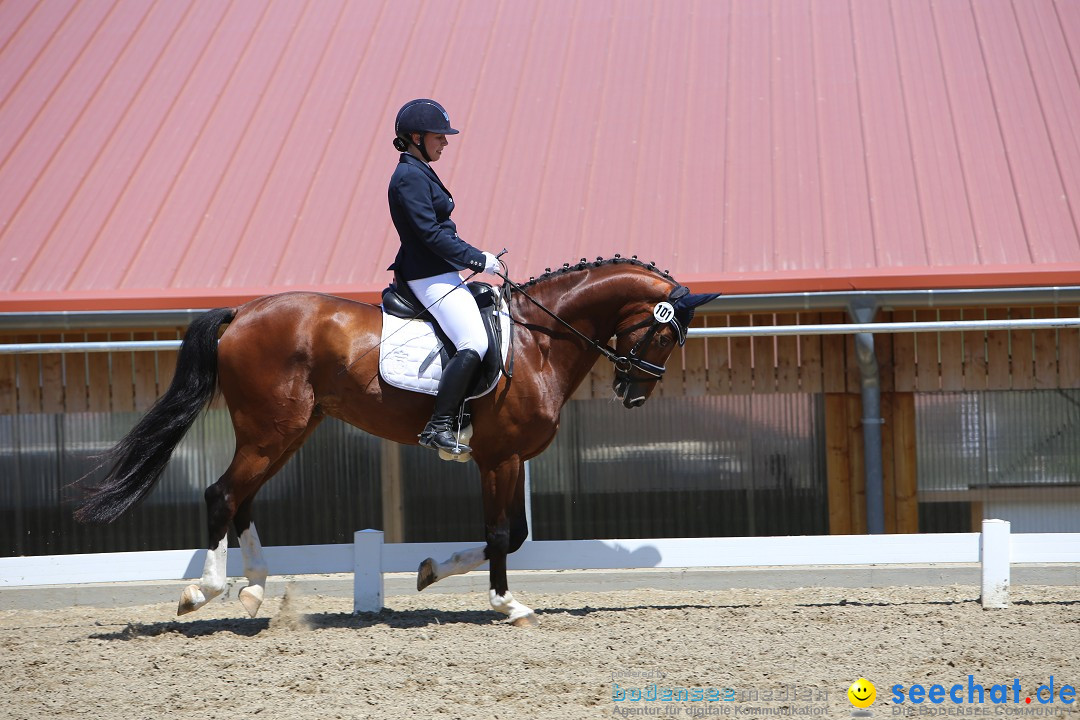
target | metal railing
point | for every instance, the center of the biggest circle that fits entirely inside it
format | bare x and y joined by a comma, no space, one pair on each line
742,331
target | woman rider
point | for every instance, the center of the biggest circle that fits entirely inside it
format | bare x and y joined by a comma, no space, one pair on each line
430,257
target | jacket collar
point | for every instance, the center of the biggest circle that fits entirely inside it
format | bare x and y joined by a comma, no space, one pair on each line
410,159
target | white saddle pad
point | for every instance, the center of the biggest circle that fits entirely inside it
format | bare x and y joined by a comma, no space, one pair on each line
406,344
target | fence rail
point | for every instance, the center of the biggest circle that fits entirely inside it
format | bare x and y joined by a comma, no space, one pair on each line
368,558
751,331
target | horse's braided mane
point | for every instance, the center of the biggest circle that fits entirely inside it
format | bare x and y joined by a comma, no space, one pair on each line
584,264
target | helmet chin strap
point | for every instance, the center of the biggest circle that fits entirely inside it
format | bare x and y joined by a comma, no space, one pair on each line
420,146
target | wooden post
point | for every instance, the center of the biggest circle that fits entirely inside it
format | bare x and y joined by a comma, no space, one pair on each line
787,357
888,460
1046,351
717,353
52,378
1068,347
765,360
810,370
8,399
952,353
837,467
144,365
99,383
1022,345
998,371
905,468
123,373
75,387
903,346
974,348
833,356
742,370
857,461
28,371
928,374
393,509
695,352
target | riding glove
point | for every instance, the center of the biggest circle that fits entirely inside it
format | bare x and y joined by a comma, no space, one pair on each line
491,263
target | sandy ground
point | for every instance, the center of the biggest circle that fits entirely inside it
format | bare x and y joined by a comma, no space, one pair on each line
761,652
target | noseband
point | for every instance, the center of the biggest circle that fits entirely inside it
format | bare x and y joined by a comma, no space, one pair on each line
663,314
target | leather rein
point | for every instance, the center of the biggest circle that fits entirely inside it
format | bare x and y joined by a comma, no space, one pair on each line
663,314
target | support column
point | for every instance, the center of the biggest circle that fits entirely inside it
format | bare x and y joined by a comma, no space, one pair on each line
870,383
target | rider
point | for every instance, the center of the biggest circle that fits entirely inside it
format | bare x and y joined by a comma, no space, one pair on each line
431,255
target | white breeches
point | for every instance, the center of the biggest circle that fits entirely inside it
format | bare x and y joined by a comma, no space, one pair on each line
453,306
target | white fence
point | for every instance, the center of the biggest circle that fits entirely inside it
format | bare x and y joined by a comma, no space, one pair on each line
368,558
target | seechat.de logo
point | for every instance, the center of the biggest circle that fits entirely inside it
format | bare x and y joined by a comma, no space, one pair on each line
862,693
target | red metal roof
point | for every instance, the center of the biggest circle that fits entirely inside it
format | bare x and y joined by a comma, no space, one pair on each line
196,152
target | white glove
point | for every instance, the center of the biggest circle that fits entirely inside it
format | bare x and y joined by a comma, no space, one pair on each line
491,263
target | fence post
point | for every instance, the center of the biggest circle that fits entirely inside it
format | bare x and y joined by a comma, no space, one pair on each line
367,571
995,554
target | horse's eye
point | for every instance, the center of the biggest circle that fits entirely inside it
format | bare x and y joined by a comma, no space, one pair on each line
663,341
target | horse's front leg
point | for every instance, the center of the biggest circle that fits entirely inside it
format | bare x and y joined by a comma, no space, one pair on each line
506,527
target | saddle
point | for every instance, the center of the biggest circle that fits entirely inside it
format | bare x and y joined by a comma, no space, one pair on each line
414,348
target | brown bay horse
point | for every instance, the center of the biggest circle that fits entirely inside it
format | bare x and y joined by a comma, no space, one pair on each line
284,362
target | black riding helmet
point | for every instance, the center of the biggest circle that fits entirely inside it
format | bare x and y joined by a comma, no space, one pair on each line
420,116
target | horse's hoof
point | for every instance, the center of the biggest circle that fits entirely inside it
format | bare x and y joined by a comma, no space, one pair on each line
251,598
525,621
426,574
190,600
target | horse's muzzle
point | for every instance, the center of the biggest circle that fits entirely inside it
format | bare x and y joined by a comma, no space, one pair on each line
631,395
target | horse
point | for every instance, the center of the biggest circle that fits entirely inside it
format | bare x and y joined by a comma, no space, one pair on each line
285,362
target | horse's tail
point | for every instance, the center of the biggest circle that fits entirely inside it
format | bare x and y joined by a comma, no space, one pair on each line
137,461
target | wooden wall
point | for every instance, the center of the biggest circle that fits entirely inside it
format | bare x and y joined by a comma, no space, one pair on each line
909,363
81,382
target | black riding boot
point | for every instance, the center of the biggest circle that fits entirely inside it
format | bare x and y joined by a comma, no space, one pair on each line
456,379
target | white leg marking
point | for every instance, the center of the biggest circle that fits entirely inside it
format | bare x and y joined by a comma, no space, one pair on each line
461,563
212,582
213,577
507,605
255,570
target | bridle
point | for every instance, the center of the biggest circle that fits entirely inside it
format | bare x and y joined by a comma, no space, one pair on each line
663,314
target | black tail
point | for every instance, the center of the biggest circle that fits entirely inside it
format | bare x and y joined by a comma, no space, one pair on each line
138,460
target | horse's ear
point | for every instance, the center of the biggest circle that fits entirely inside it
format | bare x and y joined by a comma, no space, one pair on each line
692,300
684,310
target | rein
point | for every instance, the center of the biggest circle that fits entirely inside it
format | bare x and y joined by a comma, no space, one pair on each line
623,363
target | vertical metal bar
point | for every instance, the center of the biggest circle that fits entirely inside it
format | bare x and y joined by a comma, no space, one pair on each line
870,383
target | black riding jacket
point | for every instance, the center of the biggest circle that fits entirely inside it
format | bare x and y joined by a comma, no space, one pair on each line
420,206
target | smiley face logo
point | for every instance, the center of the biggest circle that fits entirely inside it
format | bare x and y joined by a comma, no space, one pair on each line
862,693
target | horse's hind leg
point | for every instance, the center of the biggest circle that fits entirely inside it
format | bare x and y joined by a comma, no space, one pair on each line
253,463
255,568
219,512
